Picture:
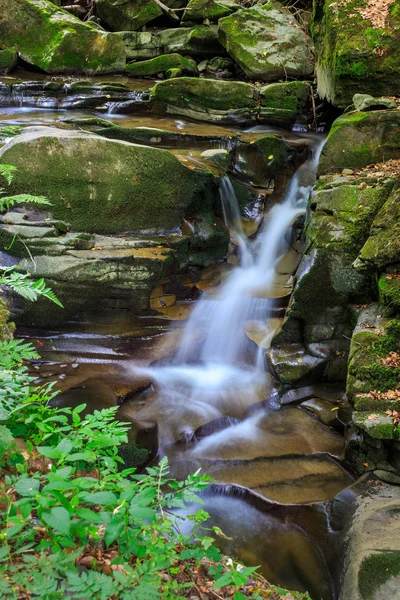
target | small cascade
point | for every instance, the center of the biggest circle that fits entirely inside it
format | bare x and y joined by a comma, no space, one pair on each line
217,371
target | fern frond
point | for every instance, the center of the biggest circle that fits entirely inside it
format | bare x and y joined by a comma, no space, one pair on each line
13,352
8,201
7,172
25,287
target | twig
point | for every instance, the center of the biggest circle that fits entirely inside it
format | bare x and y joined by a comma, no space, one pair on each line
196,586
167,10
313,107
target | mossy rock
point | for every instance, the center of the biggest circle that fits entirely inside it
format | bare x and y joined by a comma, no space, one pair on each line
389,291
371,342
355,54
282,104
267,43
130,16
263,159
365,102
382,247
231,101
198,10
379,427
56,41
161,64
8,60
107,186
358,139
198,41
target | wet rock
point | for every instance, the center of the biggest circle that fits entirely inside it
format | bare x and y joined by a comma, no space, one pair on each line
198,10
358,139
326,412
291,364
218,157
87,189
231,101
196,41
348,60
267,43
389,291
8,60
161,64
377,425
365,102
262,159
372,559
65,44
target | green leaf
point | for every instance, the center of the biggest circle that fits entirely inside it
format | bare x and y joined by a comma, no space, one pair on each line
49,451
114,530
65,446
5,439
86,456
27,487
102,498
226,579
57,518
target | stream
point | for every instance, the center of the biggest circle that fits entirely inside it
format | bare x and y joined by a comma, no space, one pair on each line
193,379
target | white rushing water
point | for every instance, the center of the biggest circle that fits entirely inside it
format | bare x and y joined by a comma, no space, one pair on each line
214,373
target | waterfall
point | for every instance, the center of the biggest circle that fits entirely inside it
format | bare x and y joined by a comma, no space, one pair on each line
217,370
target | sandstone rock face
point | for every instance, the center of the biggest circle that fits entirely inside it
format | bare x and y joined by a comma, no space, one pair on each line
267,43
107,186
232,101
357,50
358,139
198,41
56,41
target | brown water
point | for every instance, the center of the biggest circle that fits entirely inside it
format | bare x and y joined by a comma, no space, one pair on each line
280,488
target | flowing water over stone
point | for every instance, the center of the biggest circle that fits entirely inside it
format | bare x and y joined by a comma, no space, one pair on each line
196,388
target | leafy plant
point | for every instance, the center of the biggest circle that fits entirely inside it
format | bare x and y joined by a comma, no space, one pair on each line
7,172
7,202
25,287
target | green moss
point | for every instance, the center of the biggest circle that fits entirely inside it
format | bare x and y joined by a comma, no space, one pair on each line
352,55
106,186
198,10
204,94
375,570
161,64
10,131
132,455
8,59
127,16
389,292
56,41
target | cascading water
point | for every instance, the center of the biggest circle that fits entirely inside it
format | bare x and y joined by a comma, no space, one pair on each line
215,373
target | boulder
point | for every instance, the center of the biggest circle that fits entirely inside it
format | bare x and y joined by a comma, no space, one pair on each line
130,16
367,102
358,139
198,41
161,64
232,101
198,10
382,247
292,365
57,42
267,43
107,186
263,158
357,50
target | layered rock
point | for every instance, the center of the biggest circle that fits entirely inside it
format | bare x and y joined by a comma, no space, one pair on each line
57,42
232,101
267,43
358,139
357,49
162,64
198,41
198,10
107,186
